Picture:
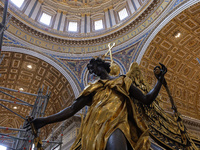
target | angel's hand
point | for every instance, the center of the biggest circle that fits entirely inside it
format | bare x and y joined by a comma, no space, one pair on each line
34,124
160,72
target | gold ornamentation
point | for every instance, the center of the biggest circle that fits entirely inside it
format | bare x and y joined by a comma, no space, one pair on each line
114,68
107,113
163,127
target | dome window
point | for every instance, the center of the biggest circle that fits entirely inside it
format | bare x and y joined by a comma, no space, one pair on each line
73,26
18,3
98,24
45,19
123,14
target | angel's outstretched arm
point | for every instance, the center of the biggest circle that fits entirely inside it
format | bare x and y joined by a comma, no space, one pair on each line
149,97
64,114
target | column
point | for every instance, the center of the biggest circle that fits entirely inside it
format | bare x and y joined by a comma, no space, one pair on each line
130,4
29,8
36,10
82,23
57,20
107,19
62,24
137,4
112,16
88,23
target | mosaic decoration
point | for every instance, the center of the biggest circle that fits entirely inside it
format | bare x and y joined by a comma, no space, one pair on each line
8,40
126,55
178,2
76,66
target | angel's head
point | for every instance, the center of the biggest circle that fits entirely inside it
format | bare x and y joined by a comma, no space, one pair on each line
98,66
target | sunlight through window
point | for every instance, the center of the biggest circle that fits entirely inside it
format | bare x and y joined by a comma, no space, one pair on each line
73,26
46,19
33,146
123,14
18,3
98,25
2,147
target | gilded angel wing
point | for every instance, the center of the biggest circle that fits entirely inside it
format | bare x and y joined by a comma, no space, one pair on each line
164,128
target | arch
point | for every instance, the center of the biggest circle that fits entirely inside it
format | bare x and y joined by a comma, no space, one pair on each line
48,60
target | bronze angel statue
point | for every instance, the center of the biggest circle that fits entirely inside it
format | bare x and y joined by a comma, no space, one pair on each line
121,113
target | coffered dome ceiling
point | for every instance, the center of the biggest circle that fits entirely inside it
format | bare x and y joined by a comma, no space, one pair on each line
180,54
15,74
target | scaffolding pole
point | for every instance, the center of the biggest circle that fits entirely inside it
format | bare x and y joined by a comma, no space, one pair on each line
17,141
14,97
55,142
4,100
61,135
13,111
3,23
45,102
4,88
58,142
33,114
10,137
13,129
52,135
25,139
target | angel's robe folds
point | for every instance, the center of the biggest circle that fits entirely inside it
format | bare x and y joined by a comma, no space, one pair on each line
111,108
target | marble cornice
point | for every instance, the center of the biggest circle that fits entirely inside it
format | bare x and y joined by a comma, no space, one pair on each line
85,41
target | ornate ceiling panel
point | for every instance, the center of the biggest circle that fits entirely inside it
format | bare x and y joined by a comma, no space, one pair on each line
15,75
180,53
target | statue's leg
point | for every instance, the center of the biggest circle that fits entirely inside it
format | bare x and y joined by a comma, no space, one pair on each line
117,141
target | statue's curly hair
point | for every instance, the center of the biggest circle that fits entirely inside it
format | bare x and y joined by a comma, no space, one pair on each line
99,62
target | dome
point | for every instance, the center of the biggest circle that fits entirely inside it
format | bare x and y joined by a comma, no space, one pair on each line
91,19
77,27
